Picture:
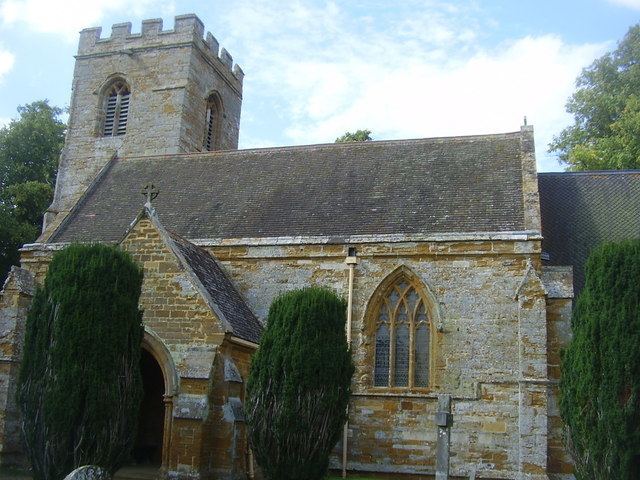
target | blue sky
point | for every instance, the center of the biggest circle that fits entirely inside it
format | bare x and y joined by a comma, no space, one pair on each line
315,69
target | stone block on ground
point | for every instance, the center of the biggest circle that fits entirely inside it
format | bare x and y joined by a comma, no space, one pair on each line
88,472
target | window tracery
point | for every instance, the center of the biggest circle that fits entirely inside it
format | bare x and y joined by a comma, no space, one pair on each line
402,337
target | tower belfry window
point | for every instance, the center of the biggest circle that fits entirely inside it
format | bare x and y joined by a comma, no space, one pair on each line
212,123
116,109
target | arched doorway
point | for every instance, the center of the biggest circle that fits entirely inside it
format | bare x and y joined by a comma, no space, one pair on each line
147,449
150,455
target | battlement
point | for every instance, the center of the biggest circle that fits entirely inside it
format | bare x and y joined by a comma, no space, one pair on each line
187,29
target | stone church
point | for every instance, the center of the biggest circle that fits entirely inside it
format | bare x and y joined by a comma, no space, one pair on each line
436,242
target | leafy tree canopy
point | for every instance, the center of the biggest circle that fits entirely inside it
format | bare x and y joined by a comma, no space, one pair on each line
29,150
30,146
357,136
79,386
299,385
606,110
600,384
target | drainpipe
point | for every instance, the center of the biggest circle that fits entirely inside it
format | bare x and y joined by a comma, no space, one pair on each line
351,261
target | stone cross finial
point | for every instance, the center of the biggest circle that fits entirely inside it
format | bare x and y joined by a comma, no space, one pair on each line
151,192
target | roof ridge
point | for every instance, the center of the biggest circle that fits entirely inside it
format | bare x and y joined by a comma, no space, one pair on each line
591,172
334,145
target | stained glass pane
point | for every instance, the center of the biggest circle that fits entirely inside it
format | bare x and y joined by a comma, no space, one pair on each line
421,369
421,314
412,299
393,299
381,371
402,317
384,315
401,368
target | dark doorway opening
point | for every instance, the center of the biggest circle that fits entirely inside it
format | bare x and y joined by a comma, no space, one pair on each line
147,449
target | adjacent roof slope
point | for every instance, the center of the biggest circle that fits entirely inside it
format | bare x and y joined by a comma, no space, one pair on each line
583,209
244,323
439,185
209,279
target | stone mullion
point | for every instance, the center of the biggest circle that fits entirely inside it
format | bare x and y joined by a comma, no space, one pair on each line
392,345
412,342
116,113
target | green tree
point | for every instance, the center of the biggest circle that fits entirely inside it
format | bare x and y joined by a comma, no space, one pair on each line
79,386
29,150
606,110
600,384
357,136
299,385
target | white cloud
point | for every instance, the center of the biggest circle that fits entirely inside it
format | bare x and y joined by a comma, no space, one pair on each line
488,92
424,74
67,17
4,122
7,60
634,4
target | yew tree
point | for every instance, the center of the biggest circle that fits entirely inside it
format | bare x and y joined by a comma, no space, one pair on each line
600,384
299,385
80,387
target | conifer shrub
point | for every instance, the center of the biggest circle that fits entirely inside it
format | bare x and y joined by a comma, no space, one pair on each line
600,384
80,386
299,385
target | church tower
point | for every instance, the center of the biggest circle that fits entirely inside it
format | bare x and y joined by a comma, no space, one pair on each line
157,92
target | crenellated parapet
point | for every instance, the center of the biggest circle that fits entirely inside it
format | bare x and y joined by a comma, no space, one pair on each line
187,30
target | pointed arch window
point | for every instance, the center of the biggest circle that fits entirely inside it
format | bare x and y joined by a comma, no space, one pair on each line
212,123
402,338
116,109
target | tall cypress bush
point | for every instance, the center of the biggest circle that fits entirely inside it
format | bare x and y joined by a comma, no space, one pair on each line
299,385
80,387
600,384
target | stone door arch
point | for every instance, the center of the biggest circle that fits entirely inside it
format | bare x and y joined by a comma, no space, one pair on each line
155,348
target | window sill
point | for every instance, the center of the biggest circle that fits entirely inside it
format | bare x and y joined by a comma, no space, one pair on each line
431,392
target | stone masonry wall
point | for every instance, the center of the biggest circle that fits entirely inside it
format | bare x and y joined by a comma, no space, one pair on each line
491,352
478,287
170,73
178,315
15,300
225,445
559,308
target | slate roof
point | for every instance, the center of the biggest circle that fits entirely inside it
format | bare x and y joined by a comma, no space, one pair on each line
580,210
427,186
222,292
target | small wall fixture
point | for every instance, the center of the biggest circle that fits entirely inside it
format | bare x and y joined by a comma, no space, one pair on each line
351,256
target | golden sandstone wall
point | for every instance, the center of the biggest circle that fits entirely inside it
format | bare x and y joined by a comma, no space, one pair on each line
170,72
502,320
490,350
204,368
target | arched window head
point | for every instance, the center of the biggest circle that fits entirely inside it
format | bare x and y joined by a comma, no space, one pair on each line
116,109
212,123
402,334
